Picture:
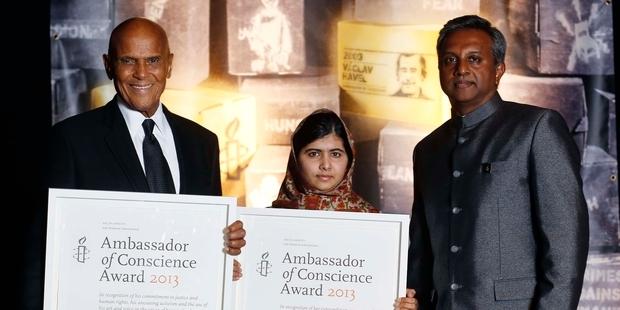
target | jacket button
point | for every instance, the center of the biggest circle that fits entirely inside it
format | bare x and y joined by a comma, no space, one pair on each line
461,140
454,286
456,173
456,210
454,248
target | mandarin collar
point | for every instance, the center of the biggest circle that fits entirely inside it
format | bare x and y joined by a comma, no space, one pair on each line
477,115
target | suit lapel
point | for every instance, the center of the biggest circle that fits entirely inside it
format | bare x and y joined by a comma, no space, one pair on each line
120,144
179,144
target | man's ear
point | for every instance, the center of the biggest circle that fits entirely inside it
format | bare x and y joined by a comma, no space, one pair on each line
108,66
499,71
169,73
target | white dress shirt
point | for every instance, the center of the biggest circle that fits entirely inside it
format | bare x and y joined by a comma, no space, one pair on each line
162,132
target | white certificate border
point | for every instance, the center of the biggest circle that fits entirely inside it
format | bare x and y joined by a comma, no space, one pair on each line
402,220
51,289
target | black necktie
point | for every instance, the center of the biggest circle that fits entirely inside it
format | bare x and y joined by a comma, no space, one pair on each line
157,171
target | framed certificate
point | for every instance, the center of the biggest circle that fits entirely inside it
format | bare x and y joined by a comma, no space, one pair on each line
302,259
123,250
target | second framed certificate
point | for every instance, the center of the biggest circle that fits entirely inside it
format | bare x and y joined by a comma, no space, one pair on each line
300,259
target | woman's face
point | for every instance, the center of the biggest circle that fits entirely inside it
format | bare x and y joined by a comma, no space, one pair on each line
323,163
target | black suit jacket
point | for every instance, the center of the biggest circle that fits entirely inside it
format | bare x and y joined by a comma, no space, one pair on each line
499,219
94,151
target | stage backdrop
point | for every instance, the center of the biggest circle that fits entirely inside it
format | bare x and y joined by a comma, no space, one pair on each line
250,70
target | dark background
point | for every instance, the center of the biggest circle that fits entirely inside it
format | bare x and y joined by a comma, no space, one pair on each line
27,115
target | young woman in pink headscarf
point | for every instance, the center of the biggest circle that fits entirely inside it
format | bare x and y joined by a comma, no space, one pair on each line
320,167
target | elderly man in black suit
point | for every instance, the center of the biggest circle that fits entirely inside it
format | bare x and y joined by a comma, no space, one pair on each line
103,149
499,220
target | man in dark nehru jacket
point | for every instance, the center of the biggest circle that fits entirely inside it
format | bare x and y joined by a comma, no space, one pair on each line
499,220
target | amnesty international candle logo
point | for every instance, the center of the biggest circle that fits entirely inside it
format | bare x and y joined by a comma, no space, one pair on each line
264,265
81,251
234,150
